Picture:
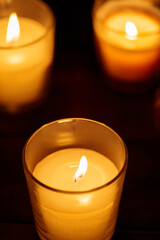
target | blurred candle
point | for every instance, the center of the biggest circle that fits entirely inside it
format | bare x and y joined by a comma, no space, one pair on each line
26,53
127,38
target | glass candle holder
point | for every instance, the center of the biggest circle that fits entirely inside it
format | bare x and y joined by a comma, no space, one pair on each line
26,54
67,202
127,42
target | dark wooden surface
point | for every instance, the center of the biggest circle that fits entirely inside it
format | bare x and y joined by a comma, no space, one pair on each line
79,91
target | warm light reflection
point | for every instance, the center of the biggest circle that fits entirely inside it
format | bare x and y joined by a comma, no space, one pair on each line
82,168
131,30
13,29
15,59
85,199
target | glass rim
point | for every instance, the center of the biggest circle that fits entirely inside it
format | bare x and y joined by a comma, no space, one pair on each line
118,175
97,4
48,28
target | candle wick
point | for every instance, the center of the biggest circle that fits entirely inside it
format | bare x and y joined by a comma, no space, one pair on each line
12,42
78,178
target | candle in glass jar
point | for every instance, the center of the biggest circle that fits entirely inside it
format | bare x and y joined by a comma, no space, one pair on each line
24,61
71,217
132,53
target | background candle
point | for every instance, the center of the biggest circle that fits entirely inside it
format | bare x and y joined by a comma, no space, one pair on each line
62,208
25,62
124,58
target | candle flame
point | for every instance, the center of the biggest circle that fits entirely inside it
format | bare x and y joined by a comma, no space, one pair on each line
131,31
82,168
13,29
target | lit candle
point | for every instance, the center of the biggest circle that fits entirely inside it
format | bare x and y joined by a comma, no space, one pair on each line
26,53
58,170
127,37
74,190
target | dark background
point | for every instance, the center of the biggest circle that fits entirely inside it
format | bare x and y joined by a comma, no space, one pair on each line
78,90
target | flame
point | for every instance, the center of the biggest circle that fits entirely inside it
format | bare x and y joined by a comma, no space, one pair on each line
131,30
82,168
13,29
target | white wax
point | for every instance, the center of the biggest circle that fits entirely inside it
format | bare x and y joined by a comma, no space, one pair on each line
57,170
30,30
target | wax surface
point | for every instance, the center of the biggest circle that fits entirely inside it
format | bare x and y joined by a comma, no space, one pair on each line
147,25
144,22
57,170
30,30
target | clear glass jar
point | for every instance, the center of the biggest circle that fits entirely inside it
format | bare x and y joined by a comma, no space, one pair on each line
87,213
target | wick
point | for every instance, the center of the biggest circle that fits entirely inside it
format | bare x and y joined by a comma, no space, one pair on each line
78,179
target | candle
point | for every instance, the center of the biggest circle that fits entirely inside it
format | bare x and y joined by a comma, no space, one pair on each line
67,217
127,38
26,54
75,171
